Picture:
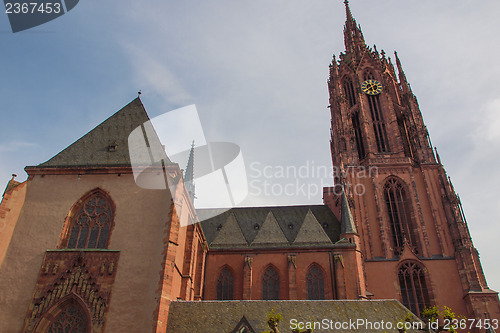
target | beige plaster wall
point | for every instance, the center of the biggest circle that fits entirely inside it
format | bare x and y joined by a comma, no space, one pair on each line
140,220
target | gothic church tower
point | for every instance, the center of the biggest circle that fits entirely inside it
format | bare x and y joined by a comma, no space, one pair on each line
412,229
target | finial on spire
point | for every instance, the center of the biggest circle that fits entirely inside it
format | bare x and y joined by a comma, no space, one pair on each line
437,155
348,11
139,93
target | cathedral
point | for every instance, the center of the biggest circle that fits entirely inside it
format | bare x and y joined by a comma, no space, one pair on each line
83,248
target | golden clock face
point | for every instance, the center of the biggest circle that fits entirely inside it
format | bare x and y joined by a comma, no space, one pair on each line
371,87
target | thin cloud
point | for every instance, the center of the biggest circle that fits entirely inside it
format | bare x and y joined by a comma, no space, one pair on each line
16,146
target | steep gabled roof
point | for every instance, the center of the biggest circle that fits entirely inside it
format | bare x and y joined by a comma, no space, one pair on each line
106,144
289,219
311,232
229,234
270,234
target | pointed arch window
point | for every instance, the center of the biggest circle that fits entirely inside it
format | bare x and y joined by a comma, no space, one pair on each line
349,92
70,319
315,283
413,284
225,285
270,284
378,119
90,222
399,210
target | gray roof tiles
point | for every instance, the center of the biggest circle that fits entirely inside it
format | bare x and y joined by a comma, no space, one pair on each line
223,316
288,218
106,144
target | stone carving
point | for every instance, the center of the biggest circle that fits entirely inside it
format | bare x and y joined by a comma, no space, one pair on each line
82,274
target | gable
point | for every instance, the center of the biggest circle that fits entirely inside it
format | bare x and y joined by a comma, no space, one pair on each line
270,234
229,234
243,327
289,220
311,232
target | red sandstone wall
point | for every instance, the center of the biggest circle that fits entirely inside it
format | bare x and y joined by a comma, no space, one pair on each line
383,282
216,260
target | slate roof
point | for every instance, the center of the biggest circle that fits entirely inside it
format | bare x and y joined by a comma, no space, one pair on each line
347,225
95,149
282,232
223,316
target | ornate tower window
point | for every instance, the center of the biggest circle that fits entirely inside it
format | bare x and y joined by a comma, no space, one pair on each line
398,208
90,222
377,117
349,92
270,284
358,135
414,291
225,285
315,283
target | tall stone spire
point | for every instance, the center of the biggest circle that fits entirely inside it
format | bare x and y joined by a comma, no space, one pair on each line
353,37
189,174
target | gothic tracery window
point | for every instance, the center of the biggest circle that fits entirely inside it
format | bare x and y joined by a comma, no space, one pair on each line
70,320
315,283
414,290
270,284
225,285
398,208
90,225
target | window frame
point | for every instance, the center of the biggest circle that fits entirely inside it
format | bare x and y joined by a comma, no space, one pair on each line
272,280
315,280
226,275
75,213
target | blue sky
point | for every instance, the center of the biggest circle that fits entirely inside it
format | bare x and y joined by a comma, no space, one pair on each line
257,72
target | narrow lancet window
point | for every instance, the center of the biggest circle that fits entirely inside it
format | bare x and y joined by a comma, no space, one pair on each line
358,135
270,284
225,285
349,92
315,283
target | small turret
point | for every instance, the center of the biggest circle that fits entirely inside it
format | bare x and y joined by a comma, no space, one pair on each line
402,76
189,174
347,225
